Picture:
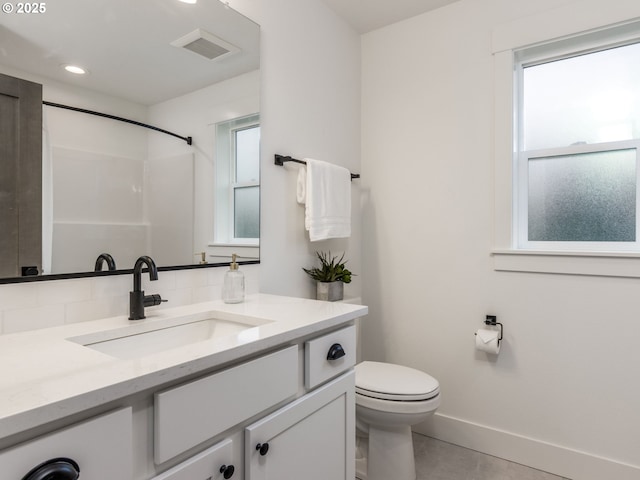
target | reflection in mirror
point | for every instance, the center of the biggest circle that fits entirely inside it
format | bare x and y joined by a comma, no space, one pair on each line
115,188
237,214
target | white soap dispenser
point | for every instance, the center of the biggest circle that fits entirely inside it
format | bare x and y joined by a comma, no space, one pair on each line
233,286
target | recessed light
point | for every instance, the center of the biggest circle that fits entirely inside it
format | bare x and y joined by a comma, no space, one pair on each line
75,69
188,1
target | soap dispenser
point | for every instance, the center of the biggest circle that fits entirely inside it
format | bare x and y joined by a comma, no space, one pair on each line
233,287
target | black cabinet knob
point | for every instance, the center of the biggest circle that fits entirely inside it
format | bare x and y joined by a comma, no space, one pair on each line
55,469
335,352
263,448
227,470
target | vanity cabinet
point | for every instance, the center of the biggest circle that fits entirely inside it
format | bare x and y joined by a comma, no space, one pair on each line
278,405
311,437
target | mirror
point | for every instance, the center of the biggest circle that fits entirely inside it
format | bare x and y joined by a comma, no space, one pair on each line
117,188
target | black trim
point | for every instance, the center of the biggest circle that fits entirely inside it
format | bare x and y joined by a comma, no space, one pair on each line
67,276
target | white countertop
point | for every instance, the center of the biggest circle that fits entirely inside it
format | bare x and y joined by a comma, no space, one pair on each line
46,377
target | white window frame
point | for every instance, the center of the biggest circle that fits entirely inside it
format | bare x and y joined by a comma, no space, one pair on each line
224,218
560,23
522,206
235,185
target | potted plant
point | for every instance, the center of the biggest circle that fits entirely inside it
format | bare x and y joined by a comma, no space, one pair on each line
330,276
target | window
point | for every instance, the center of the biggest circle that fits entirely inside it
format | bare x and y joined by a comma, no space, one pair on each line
237,212
576,143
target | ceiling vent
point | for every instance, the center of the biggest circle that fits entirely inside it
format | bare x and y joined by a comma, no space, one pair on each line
205,44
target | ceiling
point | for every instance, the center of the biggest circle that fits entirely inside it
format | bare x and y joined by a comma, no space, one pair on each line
367,15
126,45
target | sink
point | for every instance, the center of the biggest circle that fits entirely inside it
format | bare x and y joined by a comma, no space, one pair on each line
137,341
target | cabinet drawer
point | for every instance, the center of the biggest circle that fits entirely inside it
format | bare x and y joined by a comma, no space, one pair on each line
192,413
208,465
100,447
318,368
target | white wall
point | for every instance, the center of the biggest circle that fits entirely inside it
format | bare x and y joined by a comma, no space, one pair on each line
560,396
310,68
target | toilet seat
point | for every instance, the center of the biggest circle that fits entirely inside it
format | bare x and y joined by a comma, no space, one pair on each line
386,381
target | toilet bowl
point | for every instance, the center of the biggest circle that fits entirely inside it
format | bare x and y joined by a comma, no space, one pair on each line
389,400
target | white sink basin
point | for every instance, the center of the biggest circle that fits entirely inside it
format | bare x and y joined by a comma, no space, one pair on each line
137,341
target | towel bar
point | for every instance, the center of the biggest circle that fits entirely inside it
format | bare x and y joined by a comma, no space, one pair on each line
281,159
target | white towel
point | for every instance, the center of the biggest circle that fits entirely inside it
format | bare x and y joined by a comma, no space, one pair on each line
327,200
301,186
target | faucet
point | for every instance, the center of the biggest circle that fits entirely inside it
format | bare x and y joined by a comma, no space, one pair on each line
137,299
105,258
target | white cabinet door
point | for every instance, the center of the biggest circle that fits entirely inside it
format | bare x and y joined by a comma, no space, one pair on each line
312,438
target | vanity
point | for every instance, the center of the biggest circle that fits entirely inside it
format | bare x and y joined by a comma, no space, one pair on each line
257,390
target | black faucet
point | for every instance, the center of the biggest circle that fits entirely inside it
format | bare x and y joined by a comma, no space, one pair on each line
137,299
105,258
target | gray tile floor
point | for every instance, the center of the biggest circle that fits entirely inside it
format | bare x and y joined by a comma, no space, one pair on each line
436,460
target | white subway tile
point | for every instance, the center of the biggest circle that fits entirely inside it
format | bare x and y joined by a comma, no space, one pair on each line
18,295
207,294
175,298
97,308
191,278
63,291
215,276
111,286
166,281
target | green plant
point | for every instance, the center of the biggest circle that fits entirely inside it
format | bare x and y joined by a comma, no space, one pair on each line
331,269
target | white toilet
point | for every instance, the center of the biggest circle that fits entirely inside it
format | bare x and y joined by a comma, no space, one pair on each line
389,400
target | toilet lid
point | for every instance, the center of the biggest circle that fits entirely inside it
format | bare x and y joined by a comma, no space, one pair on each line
388,381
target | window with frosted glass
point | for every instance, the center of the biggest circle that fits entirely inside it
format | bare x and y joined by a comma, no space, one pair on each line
246,203
247,212
578,137
583,197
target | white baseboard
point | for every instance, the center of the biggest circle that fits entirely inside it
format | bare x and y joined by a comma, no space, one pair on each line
534,453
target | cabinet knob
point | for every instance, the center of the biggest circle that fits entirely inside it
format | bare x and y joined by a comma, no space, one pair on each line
227,471
263,448
55,469
335,352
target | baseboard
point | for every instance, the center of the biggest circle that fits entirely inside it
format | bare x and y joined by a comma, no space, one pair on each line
534,453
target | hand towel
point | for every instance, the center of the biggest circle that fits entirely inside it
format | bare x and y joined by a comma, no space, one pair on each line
301,186
328,200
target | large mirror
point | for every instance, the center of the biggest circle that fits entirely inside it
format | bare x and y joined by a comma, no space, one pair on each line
115,187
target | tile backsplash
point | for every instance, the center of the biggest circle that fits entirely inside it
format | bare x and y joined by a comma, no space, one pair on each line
35,305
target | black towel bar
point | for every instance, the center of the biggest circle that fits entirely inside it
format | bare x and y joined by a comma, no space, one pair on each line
280,159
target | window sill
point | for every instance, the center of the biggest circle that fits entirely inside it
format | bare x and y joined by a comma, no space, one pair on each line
605,264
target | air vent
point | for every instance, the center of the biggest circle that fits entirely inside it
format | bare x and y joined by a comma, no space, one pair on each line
205,44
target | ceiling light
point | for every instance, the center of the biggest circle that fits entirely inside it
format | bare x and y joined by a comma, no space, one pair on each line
75,69
188,1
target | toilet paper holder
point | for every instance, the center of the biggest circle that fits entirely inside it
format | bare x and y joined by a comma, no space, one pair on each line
492,320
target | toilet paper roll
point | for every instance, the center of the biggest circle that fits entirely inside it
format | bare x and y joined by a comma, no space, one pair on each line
487,341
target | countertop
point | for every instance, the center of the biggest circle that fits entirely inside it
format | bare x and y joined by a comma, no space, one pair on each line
46,377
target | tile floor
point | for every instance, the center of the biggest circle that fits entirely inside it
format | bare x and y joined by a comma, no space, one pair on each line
436,460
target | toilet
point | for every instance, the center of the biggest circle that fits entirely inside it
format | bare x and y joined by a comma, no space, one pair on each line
389,400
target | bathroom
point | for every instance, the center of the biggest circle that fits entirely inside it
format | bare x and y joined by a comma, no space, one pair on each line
410,107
